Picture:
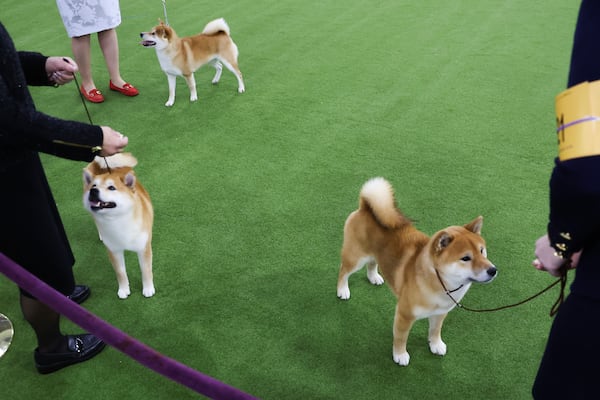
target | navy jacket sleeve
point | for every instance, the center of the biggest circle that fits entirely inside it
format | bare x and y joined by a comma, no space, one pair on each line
574,204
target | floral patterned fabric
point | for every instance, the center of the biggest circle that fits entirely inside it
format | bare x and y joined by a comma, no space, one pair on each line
83,17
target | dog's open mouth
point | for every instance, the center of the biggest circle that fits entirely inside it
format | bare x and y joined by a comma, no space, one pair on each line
99,205
148,43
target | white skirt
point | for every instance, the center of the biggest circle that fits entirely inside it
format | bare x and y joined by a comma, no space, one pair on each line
83,17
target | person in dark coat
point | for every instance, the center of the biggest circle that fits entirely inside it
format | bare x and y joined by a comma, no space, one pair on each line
31,231
568,368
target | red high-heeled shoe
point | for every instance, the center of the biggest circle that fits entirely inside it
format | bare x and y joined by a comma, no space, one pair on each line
127,89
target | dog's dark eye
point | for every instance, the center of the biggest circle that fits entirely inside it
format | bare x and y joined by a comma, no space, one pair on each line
111,187
466,258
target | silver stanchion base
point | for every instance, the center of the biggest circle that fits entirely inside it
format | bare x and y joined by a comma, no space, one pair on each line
6,333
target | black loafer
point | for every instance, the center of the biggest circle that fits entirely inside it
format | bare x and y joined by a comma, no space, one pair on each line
80,348
80,294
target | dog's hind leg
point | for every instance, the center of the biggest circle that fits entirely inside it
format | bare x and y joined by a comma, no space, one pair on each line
218,71
436,345
145,260
191,83
233,67
348,267
117,259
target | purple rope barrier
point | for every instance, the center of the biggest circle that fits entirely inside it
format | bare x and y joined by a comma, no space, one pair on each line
118,339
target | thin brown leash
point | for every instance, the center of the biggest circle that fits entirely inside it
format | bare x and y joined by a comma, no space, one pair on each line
562,280
86,108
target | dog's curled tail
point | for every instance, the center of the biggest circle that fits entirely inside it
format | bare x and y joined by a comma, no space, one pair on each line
377,196
118,160
216,26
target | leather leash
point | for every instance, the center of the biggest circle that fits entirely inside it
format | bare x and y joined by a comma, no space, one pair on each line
86,109
561,297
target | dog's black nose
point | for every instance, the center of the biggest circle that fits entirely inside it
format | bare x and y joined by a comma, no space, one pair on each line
142,34
94,194
492,271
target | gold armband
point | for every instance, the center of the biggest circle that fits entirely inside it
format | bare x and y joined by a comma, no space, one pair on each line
578,121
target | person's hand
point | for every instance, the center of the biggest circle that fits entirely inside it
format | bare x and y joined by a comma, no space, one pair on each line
60,70
113,142
547,260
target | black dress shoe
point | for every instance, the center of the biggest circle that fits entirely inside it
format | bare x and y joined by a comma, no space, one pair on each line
80,348
80,294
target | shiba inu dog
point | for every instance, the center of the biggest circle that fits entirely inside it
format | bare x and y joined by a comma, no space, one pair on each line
183,56
123,214
428,275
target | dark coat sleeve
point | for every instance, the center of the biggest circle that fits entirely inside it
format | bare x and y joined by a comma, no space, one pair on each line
34,68
574,204
24,128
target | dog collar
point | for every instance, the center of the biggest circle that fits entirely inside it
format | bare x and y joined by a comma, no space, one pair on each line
444,286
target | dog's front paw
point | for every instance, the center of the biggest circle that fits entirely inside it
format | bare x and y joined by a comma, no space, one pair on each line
241,89
375,278
402,359
169,103
343,292
123,293
194,97
438,347
148,291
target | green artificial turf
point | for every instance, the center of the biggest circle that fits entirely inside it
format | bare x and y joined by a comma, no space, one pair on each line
450,101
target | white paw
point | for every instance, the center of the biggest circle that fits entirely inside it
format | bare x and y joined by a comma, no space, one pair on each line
169,103
241,89
149,291
438,347
216,80
194,97
123,293
375,278
343,293
402,359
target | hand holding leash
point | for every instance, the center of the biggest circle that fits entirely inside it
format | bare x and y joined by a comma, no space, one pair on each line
547,259
113,142
61,70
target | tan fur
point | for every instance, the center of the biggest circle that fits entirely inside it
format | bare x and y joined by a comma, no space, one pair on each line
379,235
182,56
123,214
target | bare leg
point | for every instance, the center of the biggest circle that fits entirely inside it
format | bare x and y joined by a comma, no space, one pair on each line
109,44
82,52
45,323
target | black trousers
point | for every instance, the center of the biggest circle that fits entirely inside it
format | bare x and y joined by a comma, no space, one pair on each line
569,367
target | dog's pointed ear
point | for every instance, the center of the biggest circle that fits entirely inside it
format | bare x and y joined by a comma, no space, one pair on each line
441,241
475,225
129,180
87,176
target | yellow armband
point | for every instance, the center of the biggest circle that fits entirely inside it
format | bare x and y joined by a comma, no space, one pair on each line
578,121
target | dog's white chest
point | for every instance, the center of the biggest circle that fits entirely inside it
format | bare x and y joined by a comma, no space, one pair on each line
125,235
166,63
